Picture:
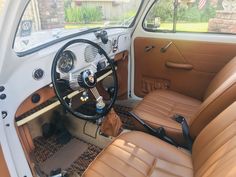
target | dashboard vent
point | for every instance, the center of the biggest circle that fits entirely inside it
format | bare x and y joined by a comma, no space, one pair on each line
91,52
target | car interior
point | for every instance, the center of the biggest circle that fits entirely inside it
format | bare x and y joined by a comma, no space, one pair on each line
120,101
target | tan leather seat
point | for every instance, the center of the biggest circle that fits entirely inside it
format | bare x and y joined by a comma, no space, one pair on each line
159,107
136,154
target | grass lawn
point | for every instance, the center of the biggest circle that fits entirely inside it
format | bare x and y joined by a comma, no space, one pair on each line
188,27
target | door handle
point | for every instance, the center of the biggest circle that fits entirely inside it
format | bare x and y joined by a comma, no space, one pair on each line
184,66
149,48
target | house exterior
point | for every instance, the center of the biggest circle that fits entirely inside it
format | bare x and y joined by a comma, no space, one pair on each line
45,14
112,5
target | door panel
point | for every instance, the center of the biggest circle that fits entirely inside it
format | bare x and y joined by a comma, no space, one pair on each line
121,61
183,66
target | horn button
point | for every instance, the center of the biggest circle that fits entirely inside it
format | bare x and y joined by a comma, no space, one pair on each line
87,79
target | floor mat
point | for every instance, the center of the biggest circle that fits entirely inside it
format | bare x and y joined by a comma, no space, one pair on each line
45,149
64,157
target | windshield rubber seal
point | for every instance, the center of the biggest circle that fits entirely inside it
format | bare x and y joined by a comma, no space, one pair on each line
48,44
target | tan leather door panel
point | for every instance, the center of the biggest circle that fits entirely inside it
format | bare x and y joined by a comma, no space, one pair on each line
3,166
183,66
122,74
121,60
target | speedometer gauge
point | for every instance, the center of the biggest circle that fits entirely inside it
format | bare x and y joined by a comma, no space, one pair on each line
66,61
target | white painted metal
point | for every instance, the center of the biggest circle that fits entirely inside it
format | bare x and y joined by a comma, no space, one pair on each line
16,72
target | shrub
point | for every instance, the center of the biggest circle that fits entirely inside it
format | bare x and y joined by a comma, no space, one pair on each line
83,14
189,14
193,14
163,9
209,12
185,13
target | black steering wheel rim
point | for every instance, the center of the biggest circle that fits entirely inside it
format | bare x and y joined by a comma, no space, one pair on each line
59,94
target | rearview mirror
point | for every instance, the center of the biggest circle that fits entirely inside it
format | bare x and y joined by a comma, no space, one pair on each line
152,23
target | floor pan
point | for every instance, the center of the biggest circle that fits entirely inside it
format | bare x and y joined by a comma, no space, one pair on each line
73,157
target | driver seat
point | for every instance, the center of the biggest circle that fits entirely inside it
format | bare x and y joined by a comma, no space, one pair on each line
136,154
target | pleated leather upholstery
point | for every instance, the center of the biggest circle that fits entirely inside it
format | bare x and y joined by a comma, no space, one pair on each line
159,107
136,154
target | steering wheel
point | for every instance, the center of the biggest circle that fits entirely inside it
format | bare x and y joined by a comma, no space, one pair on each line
84,81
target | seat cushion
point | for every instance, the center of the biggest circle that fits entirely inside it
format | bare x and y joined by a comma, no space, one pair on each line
129,155
159,107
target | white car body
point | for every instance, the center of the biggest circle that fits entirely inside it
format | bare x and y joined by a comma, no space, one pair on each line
16,72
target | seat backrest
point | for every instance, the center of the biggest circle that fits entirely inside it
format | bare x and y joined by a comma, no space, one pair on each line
220,94
214,150
228,70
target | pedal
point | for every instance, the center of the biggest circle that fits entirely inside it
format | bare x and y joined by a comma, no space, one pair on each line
58,173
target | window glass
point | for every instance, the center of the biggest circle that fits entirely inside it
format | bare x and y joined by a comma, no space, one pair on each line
209,16
160,16
47,20
194,16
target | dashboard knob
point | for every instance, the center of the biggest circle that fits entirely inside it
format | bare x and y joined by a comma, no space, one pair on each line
35,98
101,65
2,88
3,96
38,74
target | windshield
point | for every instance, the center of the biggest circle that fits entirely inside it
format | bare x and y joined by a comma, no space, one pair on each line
47,20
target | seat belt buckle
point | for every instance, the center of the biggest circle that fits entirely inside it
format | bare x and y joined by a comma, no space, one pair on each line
178,118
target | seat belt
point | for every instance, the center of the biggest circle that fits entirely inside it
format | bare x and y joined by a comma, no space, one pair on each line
185,130
159,132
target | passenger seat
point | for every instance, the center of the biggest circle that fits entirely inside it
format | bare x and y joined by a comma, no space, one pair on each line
137,154
159,107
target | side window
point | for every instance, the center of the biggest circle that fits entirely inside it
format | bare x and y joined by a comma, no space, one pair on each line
160,16
207,16
198,16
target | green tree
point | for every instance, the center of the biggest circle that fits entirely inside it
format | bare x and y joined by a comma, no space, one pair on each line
162,9
191,13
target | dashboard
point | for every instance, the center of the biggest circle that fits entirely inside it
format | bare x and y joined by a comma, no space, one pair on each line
82,56
75,58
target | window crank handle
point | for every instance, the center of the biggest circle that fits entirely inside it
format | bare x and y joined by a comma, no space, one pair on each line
164,49
149,48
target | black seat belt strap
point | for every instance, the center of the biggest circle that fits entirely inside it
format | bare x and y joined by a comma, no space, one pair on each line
185,129
159,132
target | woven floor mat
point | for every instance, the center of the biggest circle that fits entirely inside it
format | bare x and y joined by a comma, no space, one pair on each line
46,148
